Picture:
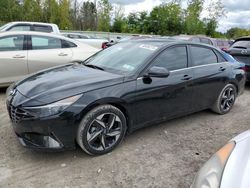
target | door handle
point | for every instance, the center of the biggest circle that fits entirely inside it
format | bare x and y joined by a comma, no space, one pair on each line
19,56
186,77
222,69
62,54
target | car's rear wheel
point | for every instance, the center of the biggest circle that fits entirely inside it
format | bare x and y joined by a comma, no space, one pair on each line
101,130
225,100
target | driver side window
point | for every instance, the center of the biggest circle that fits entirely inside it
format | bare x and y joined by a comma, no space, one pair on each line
172,59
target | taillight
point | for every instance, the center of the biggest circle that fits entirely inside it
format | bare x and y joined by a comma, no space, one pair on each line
104,45
244,68
225,50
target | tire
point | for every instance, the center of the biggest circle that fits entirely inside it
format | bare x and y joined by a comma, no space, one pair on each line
101,130
225,100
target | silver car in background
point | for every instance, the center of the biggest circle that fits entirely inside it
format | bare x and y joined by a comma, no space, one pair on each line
92,41
25,52
229,167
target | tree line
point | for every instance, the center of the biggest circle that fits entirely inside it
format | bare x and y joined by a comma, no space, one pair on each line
100,15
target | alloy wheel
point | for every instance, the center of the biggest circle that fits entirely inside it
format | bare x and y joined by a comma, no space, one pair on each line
227,99
104,131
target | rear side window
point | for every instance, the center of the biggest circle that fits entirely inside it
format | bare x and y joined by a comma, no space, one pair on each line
202,56
42,43
67,44
42,28
20,28
243,44
172,59
12,43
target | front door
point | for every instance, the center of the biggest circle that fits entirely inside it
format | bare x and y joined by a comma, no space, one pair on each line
162,98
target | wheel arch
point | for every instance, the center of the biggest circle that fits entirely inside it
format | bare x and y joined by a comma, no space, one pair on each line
234,83
116,102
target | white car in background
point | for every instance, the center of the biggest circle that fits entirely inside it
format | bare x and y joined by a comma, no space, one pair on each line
31,26
25,52
229,167
92,41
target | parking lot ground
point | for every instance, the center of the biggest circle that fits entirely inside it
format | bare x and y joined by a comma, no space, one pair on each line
165,155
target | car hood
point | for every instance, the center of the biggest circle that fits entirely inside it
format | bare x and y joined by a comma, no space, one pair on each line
61,82
237,169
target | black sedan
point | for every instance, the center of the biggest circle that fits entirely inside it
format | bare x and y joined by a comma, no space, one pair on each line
240,50
118,90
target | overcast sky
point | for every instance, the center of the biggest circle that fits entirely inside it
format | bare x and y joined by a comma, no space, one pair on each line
238,11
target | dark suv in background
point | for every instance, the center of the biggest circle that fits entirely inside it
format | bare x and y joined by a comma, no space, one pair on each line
240,50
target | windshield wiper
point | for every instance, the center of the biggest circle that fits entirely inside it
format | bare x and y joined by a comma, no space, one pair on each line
94,66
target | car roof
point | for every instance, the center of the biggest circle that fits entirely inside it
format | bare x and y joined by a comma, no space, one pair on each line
4,33
242,38
171,41
187,37
40,23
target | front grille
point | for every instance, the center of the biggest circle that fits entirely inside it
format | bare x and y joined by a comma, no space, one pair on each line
17,114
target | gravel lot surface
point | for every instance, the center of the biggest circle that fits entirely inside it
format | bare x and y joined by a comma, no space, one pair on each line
166,155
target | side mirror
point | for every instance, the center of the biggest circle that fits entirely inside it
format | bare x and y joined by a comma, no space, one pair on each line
158,72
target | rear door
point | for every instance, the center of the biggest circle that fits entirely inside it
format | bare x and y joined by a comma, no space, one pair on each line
210,75
45,52
162,98
13,58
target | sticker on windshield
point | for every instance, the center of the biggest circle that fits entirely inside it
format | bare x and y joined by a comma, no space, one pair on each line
149,47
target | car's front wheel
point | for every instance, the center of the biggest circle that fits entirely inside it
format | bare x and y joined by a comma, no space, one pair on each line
225,100
101,130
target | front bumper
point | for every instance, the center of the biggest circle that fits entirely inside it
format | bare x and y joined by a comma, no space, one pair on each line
51,134
56,132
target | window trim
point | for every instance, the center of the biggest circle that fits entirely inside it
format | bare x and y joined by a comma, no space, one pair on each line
201,46
24,42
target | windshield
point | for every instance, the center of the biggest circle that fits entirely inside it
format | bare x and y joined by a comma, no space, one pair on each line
4,26
242,44
124,57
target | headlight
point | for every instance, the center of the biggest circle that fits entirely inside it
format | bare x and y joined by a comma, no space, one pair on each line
53,108
210,174
10,91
